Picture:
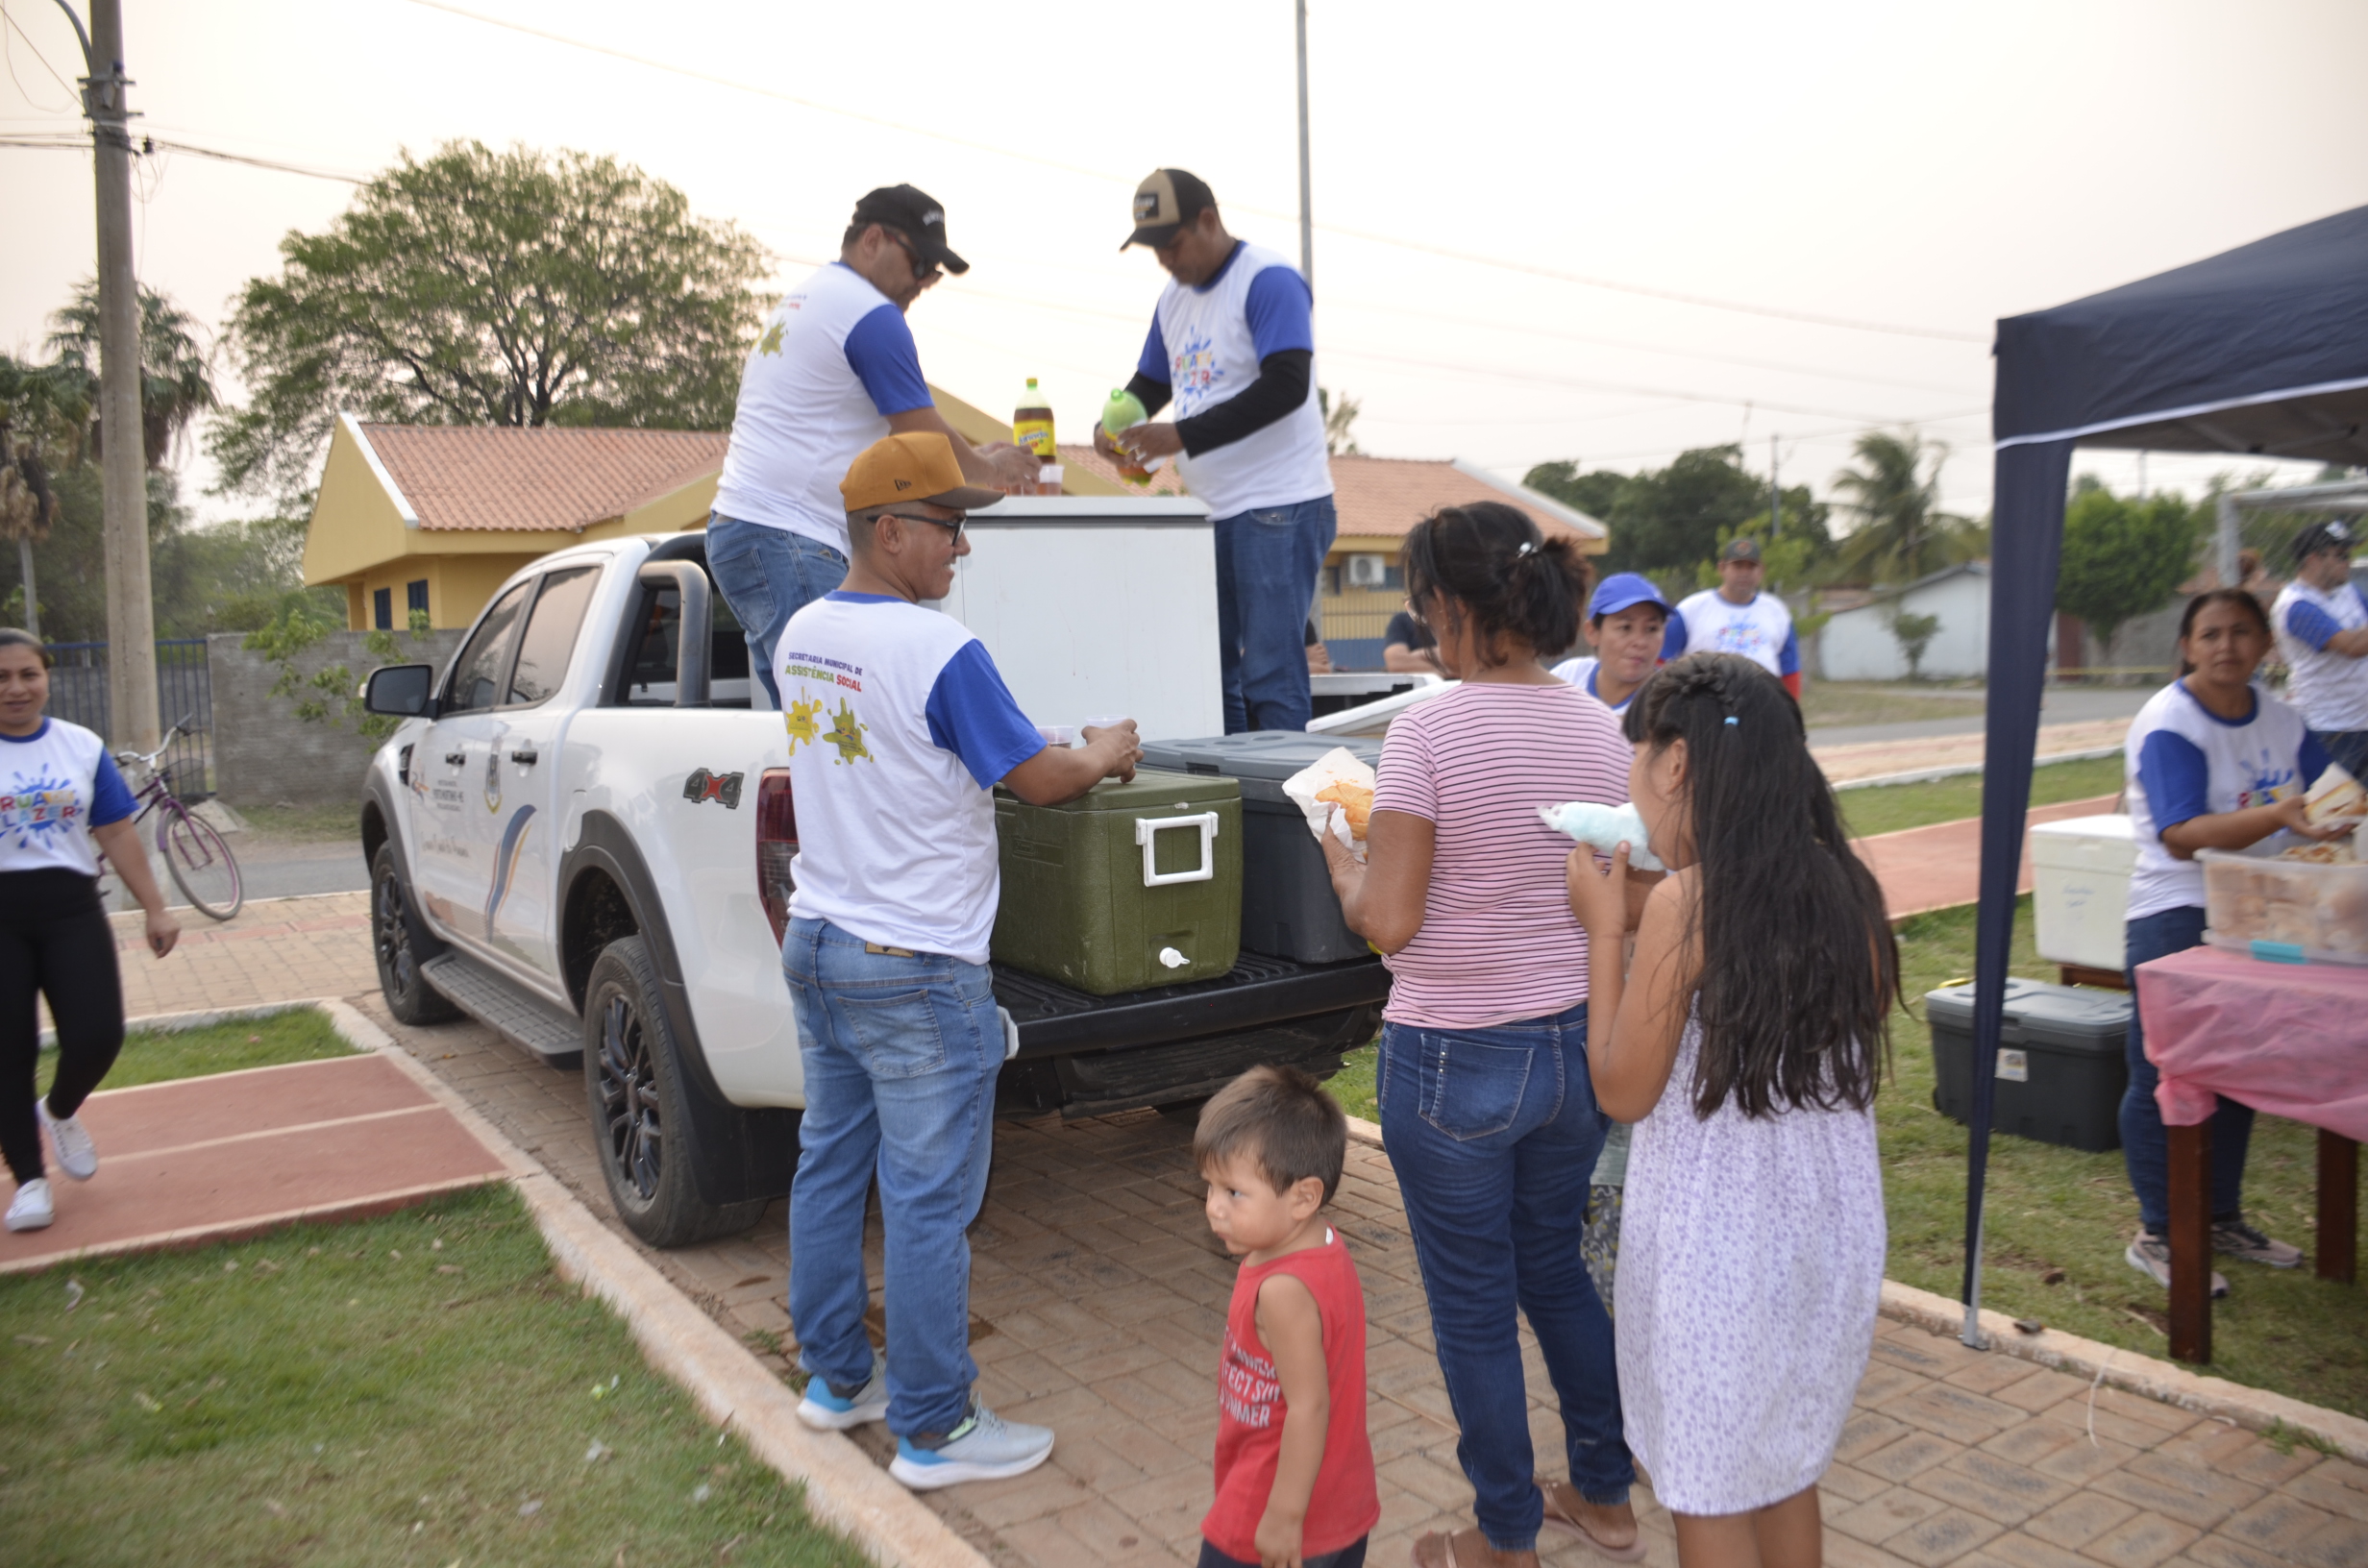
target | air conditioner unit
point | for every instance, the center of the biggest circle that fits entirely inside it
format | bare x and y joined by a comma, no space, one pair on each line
1369,571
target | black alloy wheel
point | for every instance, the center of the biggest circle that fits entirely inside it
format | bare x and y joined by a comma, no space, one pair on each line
631,1127
401,945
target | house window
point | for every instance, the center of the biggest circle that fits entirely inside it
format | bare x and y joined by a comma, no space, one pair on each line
415,595
383,608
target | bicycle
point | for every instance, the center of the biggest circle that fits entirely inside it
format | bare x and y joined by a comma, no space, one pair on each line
201,863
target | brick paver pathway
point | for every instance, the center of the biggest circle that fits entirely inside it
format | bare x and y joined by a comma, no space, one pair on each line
274,949
1098,1299
1879,759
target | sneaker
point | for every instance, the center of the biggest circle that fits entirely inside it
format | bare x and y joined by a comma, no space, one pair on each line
2150,1254
984,1447
76,1153
2239,1239
826,1409
31,1212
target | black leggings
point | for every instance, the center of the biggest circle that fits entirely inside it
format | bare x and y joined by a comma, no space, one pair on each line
54,941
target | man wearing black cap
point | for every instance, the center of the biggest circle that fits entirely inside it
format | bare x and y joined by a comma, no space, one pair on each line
2321,623
834,371
1737,618
1233,345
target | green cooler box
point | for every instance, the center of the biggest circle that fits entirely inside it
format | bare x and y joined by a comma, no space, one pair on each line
2060,1064
1129,887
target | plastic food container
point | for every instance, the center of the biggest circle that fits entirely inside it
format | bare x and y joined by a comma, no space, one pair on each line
2285,911
2081,888
2061,1067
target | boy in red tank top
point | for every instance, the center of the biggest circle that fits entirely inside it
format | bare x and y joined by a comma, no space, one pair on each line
1295,1468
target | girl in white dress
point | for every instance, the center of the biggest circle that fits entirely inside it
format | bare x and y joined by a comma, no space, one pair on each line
1745,1042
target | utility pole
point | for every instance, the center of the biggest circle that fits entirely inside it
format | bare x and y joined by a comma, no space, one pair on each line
131,608
1307,211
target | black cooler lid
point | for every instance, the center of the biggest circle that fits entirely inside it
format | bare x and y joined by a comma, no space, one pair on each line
2071,1017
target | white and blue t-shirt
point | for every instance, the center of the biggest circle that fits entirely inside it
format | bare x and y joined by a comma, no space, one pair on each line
2183,761
1205,343
1580,672
2330,689
900,728
835,360
1760,631
55,785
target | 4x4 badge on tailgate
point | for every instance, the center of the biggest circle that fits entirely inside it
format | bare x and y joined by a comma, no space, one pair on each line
703,785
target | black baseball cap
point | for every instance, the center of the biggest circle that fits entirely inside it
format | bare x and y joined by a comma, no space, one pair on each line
1743,548
2332,534
1167,200
915,214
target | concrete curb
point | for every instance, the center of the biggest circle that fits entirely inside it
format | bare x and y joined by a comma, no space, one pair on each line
173,1023
1926,775
843,1489
2255,1409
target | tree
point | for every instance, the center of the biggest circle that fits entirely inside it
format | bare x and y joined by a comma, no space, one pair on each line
1916,634
1596,494
1900,531
1337,417
176,376
2122,557
1667,519
478,288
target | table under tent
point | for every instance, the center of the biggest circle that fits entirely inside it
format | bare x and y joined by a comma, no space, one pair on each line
2262,351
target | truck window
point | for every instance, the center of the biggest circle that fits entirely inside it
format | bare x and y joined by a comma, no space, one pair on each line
477,675
650,661
550,634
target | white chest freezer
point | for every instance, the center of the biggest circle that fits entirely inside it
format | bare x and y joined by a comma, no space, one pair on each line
2081,888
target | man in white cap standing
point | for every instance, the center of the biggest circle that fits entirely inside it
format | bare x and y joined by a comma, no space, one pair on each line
2321,623
1737,617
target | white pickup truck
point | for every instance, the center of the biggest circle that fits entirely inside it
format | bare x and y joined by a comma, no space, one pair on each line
582,834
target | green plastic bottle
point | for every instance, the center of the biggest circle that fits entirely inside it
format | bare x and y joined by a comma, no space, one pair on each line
1124,411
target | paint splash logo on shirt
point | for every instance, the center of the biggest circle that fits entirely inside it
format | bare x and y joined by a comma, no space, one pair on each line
847,734
37,806
1194,374
803,721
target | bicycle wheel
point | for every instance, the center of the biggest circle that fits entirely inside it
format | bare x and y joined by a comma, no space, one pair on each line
201,864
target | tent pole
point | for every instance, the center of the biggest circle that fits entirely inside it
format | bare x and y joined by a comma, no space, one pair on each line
2231,533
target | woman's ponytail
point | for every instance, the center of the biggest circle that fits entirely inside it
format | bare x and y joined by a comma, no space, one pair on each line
1514,580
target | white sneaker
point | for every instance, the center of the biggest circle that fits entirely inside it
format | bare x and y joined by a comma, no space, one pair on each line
824,1411
984,1447
76,1153
31,1212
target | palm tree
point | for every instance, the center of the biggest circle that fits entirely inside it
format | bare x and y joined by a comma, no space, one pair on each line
176,381
1900,533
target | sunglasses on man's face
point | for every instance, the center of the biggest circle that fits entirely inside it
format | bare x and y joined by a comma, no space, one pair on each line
953,528
923,271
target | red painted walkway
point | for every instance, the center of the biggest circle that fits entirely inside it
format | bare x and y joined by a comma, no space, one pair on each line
205,1159
1938,866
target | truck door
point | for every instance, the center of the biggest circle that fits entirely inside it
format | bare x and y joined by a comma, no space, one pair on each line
454,847
520,922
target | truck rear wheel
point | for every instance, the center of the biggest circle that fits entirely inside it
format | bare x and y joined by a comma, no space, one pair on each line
401,945
634,1084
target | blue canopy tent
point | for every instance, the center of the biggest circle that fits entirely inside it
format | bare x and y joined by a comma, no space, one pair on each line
2262,350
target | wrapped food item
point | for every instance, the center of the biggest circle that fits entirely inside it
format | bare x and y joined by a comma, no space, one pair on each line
1605,827
2335,795
1356,803
1335,793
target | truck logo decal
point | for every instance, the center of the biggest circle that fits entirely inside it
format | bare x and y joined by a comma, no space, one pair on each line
703,786
493,778
505,862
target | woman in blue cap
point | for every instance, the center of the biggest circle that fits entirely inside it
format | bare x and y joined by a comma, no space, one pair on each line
1624,625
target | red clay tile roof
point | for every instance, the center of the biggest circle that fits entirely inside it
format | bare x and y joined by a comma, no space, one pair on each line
1385,497
484,477
1081,455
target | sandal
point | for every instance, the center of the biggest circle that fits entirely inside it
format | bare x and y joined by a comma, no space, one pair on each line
1563,1520
1437,1551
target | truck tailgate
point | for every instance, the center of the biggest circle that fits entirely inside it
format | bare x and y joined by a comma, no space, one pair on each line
1260,990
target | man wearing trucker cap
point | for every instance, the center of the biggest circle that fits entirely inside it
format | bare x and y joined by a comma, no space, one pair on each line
900,728
834,370
1737,618
2321,623
1233,345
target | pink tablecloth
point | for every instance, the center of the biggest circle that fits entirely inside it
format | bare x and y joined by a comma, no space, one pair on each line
2288,1039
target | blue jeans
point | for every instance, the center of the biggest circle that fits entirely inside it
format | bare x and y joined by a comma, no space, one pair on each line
2145,1147
1267,562
2349,748
767,575
901,1058
1494,1134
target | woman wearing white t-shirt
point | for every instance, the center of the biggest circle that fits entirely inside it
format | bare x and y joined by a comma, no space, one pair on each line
2213,762
1627,618
59,793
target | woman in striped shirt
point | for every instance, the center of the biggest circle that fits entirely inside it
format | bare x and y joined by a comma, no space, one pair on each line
1486,1107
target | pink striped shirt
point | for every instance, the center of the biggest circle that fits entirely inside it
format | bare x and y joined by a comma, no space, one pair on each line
1498,943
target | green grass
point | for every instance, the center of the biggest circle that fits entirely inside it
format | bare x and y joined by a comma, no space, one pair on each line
1889,807
2055,1212
148,1056
413,1390
303,824
1827,704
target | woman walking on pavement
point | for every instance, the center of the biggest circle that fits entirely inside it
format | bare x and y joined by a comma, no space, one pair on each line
1486,1106
62,800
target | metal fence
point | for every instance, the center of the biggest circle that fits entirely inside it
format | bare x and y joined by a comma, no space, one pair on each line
184,690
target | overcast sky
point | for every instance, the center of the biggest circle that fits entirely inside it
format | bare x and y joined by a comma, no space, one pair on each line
1924,168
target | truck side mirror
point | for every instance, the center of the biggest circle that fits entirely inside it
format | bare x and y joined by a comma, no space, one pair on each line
401,691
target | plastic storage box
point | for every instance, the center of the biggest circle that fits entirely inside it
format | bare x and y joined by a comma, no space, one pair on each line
2289,911
1289,909
2081,888
1129,887
2061,1068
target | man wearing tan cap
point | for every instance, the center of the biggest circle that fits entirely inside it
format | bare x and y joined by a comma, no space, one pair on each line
900,728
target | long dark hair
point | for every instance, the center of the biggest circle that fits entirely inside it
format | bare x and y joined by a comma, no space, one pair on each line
1799,968
1516,581
2218,596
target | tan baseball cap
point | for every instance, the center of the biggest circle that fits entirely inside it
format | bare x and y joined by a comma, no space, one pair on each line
917,465
1167,200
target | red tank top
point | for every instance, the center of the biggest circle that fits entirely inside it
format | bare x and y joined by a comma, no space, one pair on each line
1346,1502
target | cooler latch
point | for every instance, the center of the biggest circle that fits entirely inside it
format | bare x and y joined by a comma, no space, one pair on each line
1146,827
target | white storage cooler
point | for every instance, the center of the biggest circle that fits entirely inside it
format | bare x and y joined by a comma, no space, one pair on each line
2081,888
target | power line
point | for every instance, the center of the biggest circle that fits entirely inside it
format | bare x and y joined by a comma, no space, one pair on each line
62,143
73,99
1702,300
